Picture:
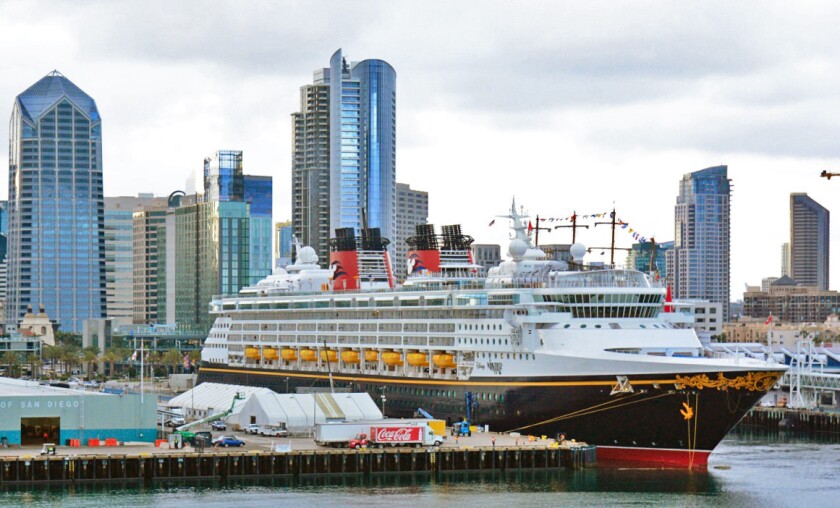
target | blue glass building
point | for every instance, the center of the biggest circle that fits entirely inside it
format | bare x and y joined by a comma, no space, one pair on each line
283,236
258,195
357,102
698,265
640,255
223,178
56,211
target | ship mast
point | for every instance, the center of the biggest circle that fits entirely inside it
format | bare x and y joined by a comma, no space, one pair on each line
574,225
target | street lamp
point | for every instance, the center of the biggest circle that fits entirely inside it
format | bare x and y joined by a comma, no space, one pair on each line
287,385
383,401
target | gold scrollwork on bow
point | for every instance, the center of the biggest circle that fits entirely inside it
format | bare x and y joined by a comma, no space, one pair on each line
753,381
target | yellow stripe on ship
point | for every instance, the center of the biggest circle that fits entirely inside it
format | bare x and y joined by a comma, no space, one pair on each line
362,379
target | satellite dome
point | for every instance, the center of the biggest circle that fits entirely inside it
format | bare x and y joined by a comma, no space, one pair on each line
577,250
308,256
517,248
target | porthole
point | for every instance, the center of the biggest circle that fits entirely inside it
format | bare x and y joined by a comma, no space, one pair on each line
566,326
583,326
597,326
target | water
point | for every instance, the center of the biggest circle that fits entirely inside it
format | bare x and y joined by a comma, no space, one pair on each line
745,470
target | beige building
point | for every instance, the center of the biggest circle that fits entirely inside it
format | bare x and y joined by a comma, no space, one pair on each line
781,334
412,210
148,226
790,302
37,325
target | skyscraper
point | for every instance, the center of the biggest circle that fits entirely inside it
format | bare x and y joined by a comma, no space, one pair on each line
412,210
698,265
56,210
809,232
785,260
344,152
145,260
283,243
119,254
258,195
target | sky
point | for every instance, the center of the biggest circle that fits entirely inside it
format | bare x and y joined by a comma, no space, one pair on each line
564,105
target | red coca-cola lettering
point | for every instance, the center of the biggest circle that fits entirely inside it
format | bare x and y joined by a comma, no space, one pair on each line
396,434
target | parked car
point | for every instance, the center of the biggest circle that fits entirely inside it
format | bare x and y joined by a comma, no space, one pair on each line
221,438
273,431
218,425
229,441
252,428
175,421
207,435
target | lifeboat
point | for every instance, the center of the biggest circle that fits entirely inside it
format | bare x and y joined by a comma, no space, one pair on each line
350,356
329,355
308,355
371,355
418,359
392,358
444,361
252,353
288,354
270,354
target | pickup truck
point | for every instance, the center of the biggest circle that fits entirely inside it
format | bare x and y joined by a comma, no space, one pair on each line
272,431
252,428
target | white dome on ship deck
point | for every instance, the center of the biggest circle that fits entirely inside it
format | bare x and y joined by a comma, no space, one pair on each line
577,250
517,248
307,256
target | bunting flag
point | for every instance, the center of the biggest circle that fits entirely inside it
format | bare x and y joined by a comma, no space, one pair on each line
632,231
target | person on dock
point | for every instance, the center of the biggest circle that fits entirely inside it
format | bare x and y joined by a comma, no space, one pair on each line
493,440
561,439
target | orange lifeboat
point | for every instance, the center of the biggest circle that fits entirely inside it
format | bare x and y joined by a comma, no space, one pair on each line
444,361
392,358
252,353
418,359
308,355
270,354
350,356
288,354
371,355
329,355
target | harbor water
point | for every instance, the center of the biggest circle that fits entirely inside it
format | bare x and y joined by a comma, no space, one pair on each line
758,470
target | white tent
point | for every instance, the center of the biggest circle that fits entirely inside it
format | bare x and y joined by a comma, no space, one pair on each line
295,410
212,398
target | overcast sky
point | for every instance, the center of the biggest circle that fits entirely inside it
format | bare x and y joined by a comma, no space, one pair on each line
566,105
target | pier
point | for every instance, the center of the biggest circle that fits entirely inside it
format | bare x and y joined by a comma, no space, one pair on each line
798,420
147,468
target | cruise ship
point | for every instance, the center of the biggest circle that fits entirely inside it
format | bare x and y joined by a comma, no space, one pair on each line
534,346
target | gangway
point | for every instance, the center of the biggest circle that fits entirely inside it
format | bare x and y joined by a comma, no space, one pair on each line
213,417
830,355
425,413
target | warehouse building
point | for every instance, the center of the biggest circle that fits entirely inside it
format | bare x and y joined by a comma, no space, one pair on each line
32,414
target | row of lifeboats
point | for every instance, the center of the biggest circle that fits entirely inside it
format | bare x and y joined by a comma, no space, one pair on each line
390,358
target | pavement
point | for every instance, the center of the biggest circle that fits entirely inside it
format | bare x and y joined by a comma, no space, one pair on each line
264,444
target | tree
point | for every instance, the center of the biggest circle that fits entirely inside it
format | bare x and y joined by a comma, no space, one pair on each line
34,364
68,339
12,361
89,355
173,359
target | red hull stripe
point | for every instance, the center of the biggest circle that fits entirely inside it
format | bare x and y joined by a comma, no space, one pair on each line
668,457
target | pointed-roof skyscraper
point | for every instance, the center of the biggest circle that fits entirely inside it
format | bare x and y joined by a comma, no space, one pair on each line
56,207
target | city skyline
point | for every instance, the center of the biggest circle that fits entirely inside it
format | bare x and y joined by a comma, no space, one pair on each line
623,112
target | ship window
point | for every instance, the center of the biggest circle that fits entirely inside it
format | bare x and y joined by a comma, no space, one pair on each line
597,326
566,326
641,326
583,326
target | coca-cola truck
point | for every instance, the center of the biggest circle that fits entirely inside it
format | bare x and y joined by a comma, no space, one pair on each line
403,435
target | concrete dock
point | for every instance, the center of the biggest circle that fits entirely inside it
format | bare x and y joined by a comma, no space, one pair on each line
140,462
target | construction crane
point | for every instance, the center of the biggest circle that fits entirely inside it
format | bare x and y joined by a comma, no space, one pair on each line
825,174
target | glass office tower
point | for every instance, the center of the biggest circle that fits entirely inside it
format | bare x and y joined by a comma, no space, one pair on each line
698,265
809,241
258,195
56,210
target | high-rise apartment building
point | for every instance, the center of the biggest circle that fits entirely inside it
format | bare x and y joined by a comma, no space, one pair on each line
487,255
344,152
56,210
809,232
640,253
119,255
258,195
146,222
698,265
412,210
785,260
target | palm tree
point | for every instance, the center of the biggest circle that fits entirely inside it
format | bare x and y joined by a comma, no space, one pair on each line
89,355
12,361
111,357
34,364
51,354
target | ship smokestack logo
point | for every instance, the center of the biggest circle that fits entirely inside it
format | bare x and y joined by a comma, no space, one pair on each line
337,270
415,263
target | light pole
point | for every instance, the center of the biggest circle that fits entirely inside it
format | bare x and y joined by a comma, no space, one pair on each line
287,385
383,401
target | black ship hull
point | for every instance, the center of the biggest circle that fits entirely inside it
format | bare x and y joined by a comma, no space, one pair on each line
667,419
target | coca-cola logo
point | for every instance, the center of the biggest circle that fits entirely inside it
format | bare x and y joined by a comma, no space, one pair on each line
396,434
